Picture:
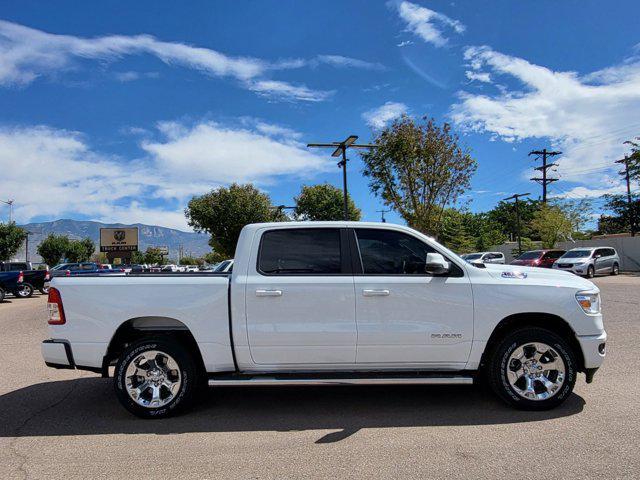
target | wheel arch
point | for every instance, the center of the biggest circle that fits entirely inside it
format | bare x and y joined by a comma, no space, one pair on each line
137,328
549,321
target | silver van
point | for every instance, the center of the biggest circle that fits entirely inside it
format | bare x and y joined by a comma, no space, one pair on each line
589,261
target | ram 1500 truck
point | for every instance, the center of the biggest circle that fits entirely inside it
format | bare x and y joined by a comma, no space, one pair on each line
328,303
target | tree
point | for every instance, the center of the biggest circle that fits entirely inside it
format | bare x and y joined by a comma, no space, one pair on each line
80,250
188,261
11,237
504,215
486,232
634,159
53,248
153,256
454,233
223,212
324,202
551,224
624,213
419,169
214,257
577,211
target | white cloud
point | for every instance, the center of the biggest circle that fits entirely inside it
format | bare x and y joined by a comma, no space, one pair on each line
27,53
479,76
379,117
341,61
427,24
404,43
586,117
59,174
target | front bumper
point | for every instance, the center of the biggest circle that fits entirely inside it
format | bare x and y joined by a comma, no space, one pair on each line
57,354
593,349
577,269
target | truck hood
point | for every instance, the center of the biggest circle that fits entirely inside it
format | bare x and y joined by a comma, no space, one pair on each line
539,276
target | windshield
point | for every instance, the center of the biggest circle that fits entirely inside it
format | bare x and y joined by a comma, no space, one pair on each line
222,266
472,256
529,255
577,254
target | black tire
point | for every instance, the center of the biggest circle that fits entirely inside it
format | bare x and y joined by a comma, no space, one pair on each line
188,375
615,270
44,290
25,290
591,272
498,365
2,295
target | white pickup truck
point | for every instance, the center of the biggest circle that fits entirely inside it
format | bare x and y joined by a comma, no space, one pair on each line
327,303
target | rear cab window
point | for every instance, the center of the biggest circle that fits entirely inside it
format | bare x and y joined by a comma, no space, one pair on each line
301,251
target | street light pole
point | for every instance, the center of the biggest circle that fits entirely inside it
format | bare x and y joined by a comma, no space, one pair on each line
10,203
341,150
516,197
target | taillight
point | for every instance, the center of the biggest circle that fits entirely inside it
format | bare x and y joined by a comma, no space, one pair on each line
47,277
54,307
67,273
20,277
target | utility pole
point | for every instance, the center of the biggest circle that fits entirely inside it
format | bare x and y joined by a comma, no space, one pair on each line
341,150
625,172
10,203
516,197
544,181
382,212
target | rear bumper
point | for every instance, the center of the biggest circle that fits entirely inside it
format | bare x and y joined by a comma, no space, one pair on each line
593,349
57,354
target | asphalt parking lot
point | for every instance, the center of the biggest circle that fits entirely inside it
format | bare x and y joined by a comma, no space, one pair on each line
68,424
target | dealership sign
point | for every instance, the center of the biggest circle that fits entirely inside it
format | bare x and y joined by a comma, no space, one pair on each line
118,239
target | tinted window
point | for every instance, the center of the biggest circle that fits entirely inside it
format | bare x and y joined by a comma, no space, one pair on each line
472,256
529,255
385,252
577,254
553,254
300,251
610,252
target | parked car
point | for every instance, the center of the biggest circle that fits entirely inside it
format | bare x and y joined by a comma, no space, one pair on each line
484,257
83,268
169,268
32,279
226,266
325,303
589,261
538,258
10,281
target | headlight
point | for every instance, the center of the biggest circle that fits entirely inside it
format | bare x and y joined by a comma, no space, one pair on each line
590,302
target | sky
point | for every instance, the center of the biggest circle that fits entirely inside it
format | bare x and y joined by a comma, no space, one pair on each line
122,111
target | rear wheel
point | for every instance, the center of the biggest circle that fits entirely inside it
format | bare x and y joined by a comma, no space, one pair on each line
532,369
155,378
2,294
591,271
44,290
615,270
25,290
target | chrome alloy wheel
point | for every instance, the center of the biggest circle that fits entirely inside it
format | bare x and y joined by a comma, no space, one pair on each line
536,371
153,379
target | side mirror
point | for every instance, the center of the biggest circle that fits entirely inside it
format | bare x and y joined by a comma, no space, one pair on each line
436,264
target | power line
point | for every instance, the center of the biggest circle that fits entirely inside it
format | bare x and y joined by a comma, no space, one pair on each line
544,180
341,148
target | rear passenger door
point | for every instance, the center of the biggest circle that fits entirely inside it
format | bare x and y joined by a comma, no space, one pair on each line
602,262
404,315
300,305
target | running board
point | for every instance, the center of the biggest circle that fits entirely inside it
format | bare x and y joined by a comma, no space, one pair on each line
283,381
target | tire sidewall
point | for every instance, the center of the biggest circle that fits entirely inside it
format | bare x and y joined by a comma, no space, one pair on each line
28,286
2,295
187,372
591,271
501,358
616,269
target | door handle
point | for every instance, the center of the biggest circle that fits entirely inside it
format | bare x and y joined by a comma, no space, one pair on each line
376,293
268,293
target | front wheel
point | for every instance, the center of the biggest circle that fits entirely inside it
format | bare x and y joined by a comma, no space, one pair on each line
2,294
615,270
25,290
44,290
532,369
591,272
155,378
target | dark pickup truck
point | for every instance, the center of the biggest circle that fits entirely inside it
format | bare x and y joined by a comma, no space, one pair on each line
10,282
31,279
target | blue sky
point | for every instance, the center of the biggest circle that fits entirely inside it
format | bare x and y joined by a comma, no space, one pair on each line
119,113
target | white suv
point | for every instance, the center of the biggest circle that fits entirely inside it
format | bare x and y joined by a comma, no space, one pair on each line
589,260
484,257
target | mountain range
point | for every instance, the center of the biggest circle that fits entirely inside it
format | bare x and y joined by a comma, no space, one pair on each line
192,244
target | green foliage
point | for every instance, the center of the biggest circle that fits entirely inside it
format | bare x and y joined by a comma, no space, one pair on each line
577,211
527,244
324,202
634,159
214,257
624,214
188,261
454,233
504,216
419,169
152,256
551,224
53,248
11,237
223,212
79,250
